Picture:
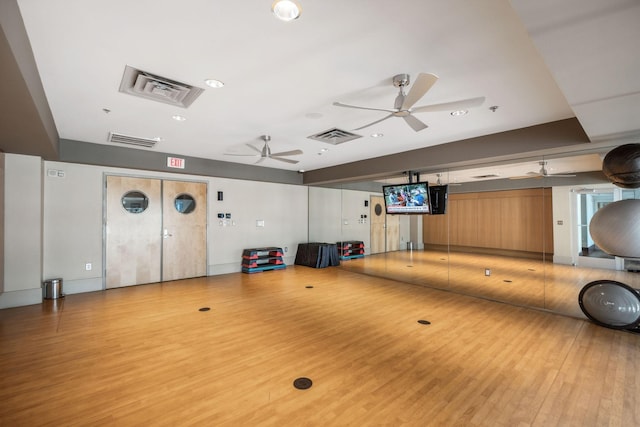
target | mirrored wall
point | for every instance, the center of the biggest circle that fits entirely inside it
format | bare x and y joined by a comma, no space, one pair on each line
512,232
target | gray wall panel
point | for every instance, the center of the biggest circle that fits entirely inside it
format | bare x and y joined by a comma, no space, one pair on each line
104,155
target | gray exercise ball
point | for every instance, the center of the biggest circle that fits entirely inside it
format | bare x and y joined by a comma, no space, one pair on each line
616,228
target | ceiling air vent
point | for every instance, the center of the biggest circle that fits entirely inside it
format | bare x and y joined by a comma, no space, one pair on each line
146,85
132,140
335,136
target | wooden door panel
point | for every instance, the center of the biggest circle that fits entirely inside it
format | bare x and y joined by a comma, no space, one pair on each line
184,235
377,225
133,247
392,232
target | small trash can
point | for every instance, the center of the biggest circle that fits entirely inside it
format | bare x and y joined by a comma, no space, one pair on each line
52,289
409,246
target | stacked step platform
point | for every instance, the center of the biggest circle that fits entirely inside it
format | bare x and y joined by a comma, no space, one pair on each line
255,260
351,249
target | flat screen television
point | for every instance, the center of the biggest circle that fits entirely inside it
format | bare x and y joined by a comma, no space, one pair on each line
407,198
438,199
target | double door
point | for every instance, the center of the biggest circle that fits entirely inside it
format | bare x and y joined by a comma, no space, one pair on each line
385,229
155,230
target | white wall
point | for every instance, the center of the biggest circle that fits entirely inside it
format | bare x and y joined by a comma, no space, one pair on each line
354,226
72,234
336,215
325,211
54,216
566,235
283,209
22,273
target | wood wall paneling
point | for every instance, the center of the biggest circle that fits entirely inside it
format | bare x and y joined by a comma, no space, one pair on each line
516,220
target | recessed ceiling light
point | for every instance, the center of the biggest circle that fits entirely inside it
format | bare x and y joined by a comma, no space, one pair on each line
214,83
286,10
179,118
377,135
459,112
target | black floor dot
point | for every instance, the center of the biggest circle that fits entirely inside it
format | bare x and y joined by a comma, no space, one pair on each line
204,309
508,281
309,286
424,322
409,266
302,383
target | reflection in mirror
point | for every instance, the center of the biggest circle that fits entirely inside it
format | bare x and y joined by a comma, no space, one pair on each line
577,259
512,232
498,240
135,202
396,249
184,203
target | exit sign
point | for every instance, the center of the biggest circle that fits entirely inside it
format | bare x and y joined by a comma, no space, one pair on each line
175,162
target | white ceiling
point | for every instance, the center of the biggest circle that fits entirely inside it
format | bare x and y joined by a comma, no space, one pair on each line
538,61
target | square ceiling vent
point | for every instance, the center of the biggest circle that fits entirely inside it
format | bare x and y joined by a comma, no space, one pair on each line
150,86
335,136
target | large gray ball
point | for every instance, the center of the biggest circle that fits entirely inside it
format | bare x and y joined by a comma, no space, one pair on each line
616,228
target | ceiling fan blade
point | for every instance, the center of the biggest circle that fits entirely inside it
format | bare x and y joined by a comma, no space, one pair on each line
254,148
531,175
415,123
559,175
373,123
282,159
451,106
287,153
422,84
340,104
243,155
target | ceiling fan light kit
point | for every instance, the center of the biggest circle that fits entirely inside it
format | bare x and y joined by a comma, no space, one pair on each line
403,105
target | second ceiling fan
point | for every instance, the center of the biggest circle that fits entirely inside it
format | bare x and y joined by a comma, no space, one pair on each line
403,106
543,173
265,152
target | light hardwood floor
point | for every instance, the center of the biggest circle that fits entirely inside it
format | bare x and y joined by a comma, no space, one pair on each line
146,355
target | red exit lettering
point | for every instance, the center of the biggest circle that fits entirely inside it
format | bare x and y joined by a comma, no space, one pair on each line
175,162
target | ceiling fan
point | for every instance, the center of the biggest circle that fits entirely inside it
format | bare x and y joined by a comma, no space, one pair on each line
403,106
543,173
265,152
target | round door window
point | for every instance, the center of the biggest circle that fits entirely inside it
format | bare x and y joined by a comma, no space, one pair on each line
185,203
378,209
135,202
